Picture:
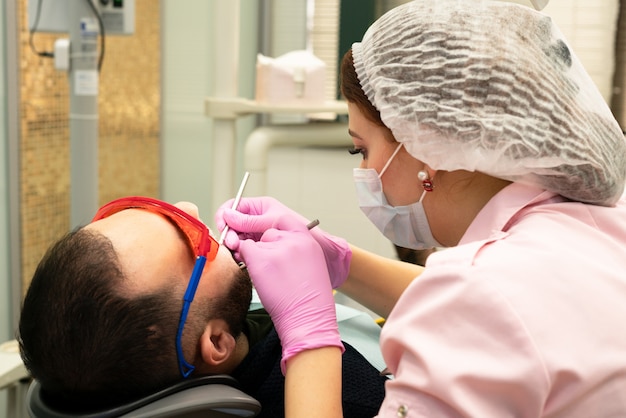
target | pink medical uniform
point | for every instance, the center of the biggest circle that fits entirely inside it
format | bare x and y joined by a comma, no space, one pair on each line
526,317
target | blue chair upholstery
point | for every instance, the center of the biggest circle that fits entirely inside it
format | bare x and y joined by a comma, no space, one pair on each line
209,396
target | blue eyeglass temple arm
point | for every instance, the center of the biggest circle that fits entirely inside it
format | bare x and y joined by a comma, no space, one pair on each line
185,368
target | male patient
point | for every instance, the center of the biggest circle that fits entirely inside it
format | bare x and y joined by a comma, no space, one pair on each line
101,322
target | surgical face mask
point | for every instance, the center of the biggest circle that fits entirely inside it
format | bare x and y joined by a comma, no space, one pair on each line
406,226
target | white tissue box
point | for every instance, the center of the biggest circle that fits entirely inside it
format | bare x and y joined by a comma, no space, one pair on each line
297,77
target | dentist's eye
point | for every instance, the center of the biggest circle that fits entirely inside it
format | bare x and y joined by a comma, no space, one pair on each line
355,151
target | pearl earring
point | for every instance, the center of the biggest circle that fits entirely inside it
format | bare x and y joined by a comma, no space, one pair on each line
427,183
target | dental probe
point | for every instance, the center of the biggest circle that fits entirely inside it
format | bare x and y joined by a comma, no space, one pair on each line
235,204
313,224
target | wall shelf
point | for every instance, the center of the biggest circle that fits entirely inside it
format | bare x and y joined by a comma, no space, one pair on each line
225,111
233,108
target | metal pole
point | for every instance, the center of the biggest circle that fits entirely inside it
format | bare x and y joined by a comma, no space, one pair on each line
83,85
14,241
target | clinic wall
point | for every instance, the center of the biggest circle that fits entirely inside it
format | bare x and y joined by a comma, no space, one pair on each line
129,110
188,68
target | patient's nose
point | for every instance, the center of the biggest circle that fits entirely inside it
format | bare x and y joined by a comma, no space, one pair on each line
192,210
189,208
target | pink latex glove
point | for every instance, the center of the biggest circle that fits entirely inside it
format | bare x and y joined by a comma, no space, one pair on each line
288,271
256,215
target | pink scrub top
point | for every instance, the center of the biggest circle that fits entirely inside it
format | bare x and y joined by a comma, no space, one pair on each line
526,317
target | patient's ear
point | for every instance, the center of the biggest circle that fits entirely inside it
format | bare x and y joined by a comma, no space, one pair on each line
216,343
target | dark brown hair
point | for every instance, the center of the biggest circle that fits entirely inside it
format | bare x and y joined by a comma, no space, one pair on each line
352,91
86,342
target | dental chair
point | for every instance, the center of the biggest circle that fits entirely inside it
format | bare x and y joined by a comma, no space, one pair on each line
208,397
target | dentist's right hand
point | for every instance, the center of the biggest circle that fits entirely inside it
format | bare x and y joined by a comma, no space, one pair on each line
289,272
256,215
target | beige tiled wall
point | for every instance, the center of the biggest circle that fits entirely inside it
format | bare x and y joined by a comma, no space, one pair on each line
129,109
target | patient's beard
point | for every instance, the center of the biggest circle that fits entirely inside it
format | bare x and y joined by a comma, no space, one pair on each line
233,307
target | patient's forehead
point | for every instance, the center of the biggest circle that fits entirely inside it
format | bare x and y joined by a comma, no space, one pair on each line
149,248
152,252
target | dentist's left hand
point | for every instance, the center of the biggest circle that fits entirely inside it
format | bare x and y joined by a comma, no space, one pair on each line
255,215
289,272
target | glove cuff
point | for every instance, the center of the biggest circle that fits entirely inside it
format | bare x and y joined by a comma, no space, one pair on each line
338,256
327,341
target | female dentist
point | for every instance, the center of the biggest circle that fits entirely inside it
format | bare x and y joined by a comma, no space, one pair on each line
479,131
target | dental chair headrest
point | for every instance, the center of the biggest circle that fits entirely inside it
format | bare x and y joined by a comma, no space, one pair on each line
207,396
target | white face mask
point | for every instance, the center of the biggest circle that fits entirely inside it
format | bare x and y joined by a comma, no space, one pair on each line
406,226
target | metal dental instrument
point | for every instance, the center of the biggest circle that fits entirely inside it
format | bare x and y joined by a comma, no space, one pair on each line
313,224
235,204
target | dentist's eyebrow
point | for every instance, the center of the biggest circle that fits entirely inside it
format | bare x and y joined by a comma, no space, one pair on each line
354,134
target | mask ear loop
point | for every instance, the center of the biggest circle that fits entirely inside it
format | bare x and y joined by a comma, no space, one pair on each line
390,160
